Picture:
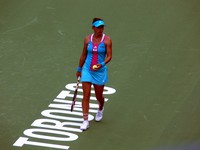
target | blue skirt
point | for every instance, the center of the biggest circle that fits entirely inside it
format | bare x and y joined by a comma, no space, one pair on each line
98,77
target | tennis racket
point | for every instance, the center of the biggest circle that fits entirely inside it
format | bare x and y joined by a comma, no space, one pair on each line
75,93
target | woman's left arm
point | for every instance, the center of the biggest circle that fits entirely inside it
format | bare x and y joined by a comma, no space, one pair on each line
108,43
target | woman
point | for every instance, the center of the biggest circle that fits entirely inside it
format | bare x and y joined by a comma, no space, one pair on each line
97,52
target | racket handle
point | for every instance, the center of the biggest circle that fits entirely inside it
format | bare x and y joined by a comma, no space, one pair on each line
79,78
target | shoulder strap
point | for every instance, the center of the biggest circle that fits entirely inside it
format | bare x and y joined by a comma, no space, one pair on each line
103,37
91,37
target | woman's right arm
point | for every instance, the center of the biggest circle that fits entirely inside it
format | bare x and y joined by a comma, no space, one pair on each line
82,57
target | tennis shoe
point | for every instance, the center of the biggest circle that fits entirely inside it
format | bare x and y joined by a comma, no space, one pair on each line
99,115
85,125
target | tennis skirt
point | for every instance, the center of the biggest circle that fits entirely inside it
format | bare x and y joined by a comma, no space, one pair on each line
98,77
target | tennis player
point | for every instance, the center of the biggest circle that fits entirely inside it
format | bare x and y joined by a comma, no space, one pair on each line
97,52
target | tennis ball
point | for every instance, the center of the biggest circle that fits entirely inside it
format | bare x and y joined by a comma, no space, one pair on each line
94,67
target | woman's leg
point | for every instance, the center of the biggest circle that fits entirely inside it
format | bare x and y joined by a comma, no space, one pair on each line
99,95
86,99
85,104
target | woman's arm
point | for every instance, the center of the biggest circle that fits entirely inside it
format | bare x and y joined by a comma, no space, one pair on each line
108,43
82,57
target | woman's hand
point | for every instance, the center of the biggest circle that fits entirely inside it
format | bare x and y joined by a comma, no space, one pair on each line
78,74
96,67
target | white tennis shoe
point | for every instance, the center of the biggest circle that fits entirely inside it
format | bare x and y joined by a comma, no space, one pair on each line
99,115
85,125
